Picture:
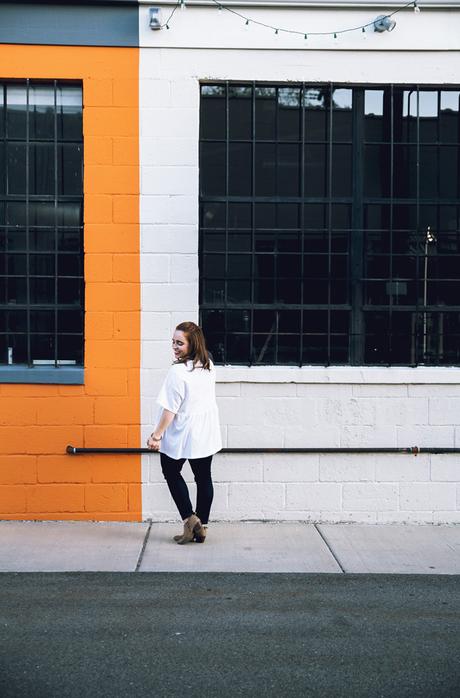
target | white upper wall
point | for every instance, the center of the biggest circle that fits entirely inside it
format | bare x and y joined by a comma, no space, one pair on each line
208,27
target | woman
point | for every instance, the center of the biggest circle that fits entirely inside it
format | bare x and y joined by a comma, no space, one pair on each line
189,428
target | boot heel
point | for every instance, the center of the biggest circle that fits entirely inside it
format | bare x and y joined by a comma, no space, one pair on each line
200,533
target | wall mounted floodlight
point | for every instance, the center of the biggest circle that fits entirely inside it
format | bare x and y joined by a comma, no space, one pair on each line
383,23
154,18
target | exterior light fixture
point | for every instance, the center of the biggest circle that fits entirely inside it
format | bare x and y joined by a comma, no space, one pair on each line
154,18
384,23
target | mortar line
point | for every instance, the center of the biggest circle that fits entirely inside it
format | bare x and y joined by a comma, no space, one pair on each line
330,549
144,545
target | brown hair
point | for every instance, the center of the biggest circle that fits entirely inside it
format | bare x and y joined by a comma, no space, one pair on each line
197,352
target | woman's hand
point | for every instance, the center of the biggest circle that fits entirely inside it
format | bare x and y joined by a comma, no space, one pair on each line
153,443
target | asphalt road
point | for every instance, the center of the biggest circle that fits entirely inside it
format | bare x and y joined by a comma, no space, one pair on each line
205,635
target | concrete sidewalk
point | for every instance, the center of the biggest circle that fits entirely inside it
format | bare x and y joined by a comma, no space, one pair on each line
55,546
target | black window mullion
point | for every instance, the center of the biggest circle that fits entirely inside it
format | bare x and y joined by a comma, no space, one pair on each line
28,311
56,198
227,169
253,223
302,217
356,241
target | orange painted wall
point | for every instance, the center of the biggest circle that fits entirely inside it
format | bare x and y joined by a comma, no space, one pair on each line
37,479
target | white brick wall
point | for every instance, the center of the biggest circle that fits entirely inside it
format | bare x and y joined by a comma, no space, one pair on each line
281,407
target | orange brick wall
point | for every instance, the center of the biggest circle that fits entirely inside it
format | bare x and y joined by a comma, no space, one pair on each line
37,422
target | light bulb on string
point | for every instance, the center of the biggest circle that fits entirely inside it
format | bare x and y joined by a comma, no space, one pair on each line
246,24
183,5
363,31
416,8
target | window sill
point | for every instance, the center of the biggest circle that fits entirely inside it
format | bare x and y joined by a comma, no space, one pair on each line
63,375
339,374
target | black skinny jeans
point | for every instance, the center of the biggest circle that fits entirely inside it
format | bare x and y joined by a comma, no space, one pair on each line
201,468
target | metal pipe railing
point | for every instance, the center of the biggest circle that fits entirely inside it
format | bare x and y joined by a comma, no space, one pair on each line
413,450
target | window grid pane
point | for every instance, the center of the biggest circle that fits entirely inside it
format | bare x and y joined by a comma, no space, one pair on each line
330,233
41,223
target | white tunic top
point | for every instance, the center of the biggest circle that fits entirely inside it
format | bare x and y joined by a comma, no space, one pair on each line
191,395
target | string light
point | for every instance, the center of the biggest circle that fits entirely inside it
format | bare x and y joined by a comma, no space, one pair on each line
278,30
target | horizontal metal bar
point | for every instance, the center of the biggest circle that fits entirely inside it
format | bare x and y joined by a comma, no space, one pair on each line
414,450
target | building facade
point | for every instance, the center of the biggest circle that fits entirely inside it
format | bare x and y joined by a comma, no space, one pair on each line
292,185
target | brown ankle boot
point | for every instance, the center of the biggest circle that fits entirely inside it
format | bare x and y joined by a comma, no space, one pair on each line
190,524
200,534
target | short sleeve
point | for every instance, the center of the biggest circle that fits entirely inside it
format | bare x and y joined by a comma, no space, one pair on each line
172,392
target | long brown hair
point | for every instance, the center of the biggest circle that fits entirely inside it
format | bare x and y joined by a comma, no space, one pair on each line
197,351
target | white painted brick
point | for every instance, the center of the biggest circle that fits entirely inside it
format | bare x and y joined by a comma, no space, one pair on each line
170,122
154,93
403,517
370,497
263,390
155,325
457,437
290,467
314,496
169,152
402,468
367,436
169,210
401,411
315,436
164,181
149,64
184,267
315,390
228,389
300,516
185,93
271,411
346,467
458,498
445,467
224,436
162,297
169,238
424,436
429,496
151,380
250,437
179,316
446,517
155,268
184,210
369,517
444,411
380,391
155,353
255,501
156,500
236,467
220,504
352,411
447,390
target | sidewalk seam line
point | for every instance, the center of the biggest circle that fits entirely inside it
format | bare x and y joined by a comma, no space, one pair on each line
144,545
330,549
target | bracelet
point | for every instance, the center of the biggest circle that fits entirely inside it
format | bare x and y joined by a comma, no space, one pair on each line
154,438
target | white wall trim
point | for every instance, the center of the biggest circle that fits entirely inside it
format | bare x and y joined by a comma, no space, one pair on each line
339,374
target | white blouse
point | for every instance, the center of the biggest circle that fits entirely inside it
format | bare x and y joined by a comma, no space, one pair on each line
191,395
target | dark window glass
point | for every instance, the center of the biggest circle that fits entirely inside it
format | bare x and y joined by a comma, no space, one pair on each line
41,223
265,113
240,113
337,236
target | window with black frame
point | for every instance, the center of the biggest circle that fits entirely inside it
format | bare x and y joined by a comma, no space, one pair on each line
330,224
41,223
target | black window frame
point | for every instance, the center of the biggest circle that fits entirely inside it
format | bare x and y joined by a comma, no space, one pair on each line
227,321
41,228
